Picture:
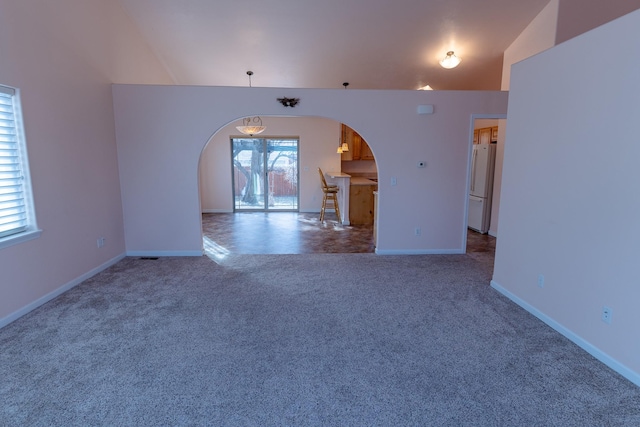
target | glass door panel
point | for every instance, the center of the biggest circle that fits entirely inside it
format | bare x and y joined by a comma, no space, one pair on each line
248,173
260,190
282,177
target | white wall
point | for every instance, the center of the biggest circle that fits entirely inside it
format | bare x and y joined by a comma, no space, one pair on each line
570,197
161,132
539,35
63,55
318,141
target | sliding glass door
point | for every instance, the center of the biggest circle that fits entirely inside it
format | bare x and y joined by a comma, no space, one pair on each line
265,174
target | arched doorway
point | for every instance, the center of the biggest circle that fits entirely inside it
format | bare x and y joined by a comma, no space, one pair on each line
296,231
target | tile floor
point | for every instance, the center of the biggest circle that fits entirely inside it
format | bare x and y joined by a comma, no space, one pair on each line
303,233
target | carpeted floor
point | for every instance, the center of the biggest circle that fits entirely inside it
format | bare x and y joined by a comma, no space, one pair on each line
300,340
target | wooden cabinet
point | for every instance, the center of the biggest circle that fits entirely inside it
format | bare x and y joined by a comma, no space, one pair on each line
365,152
358,147
485,135
361,203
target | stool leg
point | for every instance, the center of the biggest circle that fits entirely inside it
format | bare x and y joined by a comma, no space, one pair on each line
324,205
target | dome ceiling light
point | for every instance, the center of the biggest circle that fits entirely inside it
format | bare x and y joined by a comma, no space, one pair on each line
450,61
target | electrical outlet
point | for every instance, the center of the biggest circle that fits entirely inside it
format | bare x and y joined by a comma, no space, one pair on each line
541,281
417,231
607,314
394,181
101,241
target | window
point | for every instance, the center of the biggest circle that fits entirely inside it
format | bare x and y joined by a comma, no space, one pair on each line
17,219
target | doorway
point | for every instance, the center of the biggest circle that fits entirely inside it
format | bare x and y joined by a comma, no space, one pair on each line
485,168
265,174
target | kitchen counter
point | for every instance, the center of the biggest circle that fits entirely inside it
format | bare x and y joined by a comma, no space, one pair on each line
358,180
355,197
338,175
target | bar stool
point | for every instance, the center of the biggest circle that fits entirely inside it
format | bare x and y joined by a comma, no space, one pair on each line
330,198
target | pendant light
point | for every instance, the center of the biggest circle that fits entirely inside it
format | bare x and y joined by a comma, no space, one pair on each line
344,147
251,126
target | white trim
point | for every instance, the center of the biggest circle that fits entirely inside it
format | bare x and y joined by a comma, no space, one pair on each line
418,251
62,289
14,239
623,370
164,253
217,211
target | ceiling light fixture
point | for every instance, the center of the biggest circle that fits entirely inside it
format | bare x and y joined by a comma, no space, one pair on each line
450,61
427,87
343,147
251,126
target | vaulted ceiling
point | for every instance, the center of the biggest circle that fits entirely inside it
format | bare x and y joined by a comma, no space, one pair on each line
372,44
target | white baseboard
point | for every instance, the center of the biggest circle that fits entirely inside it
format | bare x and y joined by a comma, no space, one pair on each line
418,251
217,211
62,289
603,357
164,253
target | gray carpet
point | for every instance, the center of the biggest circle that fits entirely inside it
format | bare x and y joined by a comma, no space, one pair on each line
300,340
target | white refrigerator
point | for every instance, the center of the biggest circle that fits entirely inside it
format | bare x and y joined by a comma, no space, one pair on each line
483,162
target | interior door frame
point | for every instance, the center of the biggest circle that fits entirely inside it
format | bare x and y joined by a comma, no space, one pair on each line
472,122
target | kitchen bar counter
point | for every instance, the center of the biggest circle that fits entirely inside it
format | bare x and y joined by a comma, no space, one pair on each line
357,180
355,197
343,181
361,204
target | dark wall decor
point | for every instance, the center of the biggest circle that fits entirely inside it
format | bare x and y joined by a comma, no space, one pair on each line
289,102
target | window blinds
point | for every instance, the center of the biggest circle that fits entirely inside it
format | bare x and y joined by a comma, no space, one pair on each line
13,212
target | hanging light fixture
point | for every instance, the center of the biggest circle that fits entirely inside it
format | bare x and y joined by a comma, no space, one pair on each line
251,126
450,61
344,147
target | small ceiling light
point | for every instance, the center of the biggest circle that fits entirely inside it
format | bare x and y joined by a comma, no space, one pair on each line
450,61
251,126
427,87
